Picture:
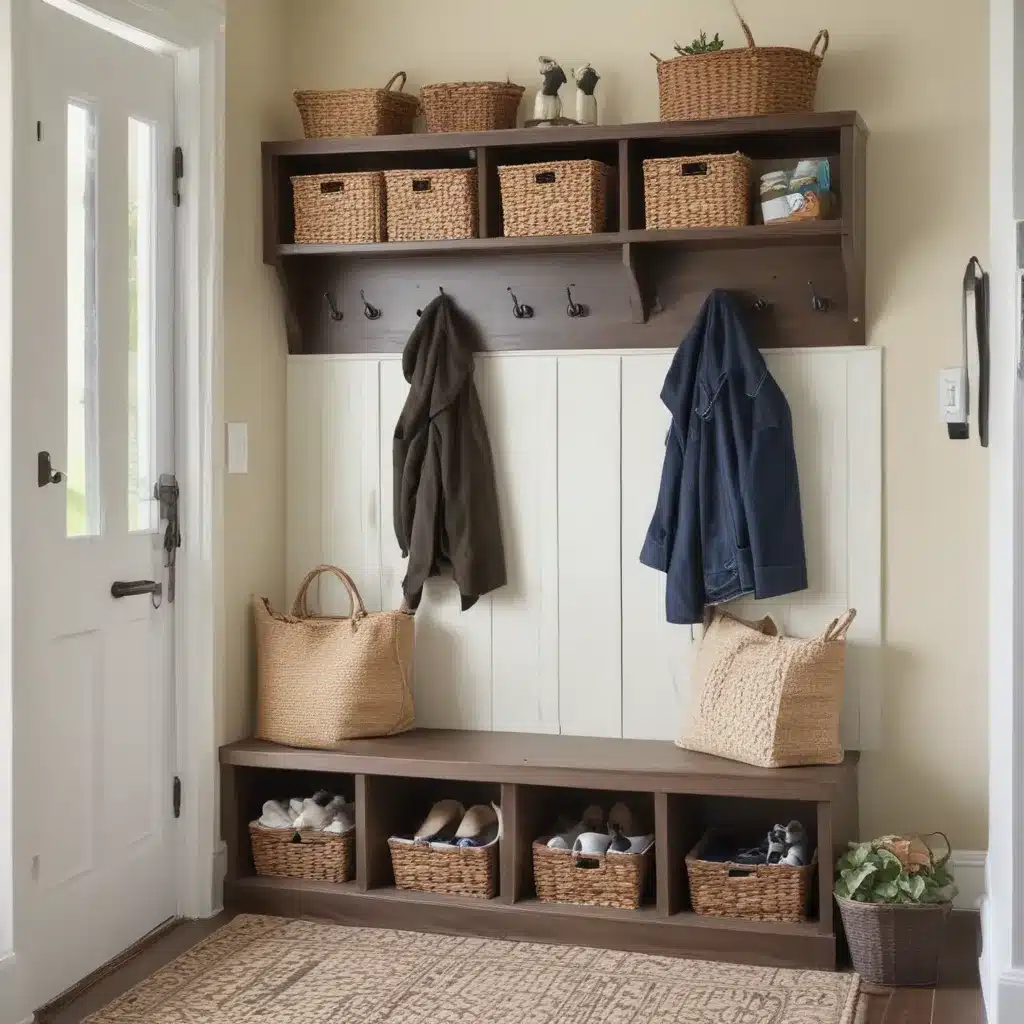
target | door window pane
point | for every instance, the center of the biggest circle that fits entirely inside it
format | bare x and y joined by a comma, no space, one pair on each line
82,473
142,510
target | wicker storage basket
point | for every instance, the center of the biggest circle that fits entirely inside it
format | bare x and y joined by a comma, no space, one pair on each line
457,871
431,204
565,197
338,208
895,945
316,856
740,82
470,106
333,113
697,191
602,880
754,892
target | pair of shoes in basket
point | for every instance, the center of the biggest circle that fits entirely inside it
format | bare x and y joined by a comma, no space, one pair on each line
595,834
784,844
450,823
321,812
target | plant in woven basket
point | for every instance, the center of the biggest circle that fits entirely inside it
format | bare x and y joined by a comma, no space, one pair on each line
895,870
700,45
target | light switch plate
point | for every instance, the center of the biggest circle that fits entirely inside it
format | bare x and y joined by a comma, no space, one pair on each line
953,395
238,447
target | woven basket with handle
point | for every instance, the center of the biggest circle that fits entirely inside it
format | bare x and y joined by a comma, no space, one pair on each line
323,679
597,880
306,853
335,113
740,82
470,106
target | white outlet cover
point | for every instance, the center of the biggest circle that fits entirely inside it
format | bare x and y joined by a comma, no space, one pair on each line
953,395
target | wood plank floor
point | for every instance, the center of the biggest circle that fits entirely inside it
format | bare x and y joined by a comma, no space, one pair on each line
956,1000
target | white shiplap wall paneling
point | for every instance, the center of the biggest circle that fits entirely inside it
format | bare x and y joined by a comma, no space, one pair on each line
589,545
520,402
656,656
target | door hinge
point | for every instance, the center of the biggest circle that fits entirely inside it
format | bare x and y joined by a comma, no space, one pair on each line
179,173
176,796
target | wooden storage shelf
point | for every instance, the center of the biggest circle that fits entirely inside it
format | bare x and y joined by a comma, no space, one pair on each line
629,277
688,791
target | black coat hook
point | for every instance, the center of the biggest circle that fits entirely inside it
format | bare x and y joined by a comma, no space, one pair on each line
819,303
336,314
370,311
761,305
520,310
575,309
440,291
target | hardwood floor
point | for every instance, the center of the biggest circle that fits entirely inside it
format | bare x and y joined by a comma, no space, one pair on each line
956,1000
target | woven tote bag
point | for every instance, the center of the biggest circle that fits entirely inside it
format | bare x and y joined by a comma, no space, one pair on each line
324,680
771,701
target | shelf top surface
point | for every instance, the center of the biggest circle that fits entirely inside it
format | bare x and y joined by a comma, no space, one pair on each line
513,137
548,760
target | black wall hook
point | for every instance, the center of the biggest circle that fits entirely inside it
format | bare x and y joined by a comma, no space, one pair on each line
370,311
520,310
819,303
440,291
336,314
574,309
761,305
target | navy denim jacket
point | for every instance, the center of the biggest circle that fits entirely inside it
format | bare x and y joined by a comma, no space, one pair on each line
728,517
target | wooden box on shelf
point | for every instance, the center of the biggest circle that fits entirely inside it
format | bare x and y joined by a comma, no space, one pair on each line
434,204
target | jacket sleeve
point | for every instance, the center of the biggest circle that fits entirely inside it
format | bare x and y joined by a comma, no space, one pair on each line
661,534
771,498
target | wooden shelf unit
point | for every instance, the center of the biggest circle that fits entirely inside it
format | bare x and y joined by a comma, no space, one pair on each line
395,778
642,287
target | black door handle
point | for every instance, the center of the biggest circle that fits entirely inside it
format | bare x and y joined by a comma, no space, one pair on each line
45,473
135,588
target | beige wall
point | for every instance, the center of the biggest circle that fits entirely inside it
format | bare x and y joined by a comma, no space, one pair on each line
917,72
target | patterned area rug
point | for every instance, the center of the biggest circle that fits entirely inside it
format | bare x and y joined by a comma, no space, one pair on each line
267,970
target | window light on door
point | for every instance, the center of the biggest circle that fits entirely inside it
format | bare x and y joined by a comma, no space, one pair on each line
82,473
142,510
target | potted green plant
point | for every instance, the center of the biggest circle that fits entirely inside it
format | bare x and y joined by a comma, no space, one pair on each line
895,894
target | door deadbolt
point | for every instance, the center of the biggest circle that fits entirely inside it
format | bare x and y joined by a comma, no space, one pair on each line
46,474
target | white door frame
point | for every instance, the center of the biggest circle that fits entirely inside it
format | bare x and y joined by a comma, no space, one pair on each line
193,32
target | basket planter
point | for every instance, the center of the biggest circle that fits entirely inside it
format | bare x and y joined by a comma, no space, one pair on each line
431,204
710,191
740,82
470,106
753,892
339,208
454,870
895,945
315,856
567,197
601,880
335,113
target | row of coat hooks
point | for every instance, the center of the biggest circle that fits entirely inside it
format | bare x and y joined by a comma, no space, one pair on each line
520,310
574,310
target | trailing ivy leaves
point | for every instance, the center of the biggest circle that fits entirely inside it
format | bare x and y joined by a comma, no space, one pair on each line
700,45
874,872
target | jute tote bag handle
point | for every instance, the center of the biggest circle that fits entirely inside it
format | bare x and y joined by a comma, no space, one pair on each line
300,610
838,628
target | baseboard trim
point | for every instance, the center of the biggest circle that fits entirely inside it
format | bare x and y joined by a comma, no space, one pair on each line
969,868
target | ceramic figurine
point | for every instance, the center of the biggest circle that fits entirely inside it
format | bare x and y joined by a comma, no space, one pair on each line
586,79
547,106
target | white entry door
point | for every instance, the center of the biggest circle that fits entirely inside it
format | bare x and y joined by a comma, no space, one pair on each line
93,380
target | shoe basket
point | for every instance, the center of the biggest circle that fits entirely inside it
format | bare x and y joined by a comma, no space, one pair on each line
564,197
431,204
597,880
333,209
454,870
754,892
710,191
315,856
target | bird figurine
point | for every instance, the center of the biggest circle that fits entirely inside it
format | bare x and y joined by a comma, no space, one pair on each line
547,105
586,79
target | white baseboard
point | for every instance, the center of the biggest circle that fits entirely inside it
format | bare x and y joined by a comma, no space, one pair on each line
968,868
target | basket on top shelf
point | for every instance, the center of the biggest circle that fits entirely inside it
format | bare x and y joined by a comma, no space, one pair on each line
310,854
339,208
453,870
596,880
754,892
434,204
739,82
470,106
563,197
336,113
697,191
